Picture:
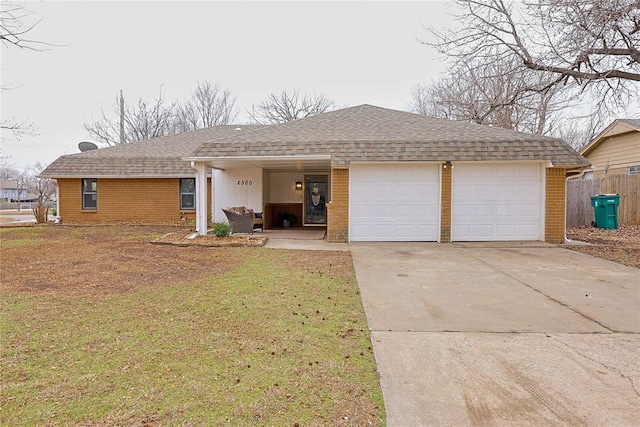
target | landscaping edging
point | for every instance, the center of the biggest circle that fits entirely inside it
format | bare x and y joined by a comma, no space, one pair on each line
180,239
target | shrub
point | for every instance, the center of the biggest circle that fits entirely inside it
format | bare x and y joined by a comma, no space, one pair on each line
221,229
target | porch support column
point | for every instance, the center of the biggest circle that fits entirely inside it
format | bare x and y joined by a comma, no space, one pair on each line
213,198
445,203
201,198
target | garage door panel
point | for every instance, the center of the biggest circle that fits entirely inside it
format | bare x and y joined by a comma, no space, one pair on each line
381,211
496,202
529,211
400,203
507,211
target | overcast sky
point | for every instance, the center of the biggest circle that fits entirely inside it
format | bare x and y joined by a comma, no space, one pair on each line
355,53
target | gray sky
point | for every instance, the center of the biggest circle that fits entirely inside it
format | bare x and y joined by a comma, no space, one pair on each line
355,53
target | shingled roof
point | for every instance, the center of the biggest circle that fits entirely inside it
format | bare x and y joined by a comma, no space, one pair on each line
156,157
369,133
634,122
362,133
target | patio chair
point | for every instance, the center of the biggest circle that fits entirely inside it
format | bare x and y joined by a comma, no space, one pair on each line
243,220
258,222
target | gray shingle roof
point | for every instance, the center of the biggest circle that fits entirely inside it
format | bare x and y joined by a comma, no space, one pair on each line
157,157
362,133
634,122
369,133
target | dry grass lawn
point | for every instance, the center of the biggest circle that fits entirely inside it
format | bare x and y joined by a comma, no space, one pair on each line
100,327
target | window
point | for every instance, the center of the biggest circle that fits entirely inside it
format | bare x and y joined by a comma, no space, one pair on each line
90,193
187,193
632,170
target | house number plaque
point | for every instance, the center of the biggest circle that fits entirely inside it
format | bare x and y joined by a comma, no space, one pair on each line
244,182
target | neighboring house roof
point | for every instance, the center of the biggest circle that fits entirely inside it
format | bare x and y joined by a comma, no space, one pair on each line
369,133
617,127
8,184
632,122
156,157
362,133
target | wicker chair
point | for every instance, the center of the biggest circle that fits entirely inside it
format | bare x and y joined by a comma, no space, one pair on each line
240,223
243,220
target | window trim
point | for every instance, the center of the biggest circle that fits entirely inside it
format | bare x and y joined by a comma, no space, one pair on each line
182,194
86,193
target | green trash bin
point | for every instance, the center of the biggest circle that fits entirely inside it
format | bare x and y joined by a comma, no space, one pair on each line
605,207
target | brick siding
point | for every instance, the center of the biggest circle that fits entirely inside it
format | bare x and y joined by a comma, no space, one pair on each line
555,191
445,208
134,201
338,209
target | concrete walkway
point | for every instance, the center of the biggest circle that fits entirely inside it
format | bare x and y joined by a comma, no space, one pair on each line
502,334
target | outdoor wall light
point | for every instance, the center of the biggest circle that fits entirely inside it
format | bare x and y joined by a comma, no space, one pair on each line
298,185
447,164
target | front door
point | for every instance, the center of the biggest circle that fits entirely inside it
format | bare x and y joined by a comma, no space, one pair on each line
315,199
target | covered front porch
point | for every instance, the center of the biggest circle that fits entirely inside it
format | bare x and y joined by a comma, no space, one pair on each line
292,188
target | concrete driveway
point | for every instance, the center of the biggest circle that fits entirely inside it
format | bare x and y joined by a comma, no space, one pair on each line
502,334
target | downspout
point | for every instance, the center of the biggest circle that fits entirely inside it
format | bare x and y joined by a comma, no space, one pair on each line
58,216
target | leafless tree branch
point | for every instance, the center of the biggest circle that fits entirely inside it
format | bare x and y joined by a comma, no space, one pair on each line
592,44
14,26
286,106
209,105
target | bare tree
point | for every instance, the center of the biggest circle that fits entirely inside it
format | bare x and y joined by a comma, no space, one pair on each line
498,94
7,172
209,105
21,177
579,131
15,23
591,44
43,188
286,106
144,120
17,128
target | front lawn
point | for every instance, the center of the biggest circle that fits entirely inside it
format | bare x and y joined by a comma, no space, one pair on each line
103,328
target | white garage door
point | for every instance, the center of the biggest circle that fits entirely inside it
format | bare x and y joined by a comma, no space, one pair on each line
394,203
496,202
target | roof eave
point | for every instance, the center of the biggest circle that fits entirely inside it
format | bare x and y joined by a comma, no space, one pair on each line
602,135
107,176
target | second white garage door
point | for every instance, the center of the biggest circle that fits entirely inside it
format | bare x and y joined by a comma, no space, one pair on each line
496,202
394,203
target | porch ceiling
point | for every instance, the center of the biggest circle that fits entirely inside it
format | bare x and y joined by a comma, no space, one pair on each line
299,163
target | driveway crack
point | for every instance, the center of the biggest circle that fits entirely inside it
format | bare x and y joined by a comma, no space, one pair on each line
604,365
557,301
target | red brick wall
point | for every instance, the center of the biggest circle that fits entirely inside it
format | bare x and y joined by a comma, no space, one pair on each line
135,200
273,210
555,191
338,209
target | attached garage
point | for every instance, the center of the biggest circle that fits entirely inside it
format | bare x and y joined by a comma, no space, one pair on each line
496,202
394,202
394,176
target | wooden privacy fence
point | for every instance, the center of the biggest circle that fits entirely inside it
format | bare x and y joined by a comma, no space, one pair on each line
579,192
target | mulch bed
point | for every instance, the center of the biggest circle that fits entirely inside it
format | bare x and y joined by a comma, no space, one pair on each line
621,245
180,238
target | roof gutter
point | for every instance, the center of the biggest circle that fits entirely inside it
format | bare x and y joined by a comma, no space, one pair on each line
265,158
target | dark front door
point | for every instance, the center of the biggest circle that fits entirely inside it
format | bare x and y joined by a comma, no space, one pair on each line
315,200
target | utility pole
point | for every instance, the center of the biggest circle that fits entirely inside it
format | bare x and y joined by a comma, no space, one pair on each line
122,140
